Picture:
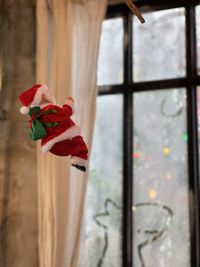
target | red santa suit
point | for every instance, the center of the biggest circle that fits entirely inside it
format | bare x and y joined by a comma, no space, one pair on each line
61,136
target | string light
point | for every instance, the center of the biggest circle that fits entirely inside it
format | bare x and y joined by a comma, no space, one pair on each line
136,155
168,176
134,208
152,194
166,151
185,137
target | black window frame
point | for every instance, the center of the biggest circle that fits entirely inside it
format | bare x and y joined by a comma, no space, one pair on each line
129,87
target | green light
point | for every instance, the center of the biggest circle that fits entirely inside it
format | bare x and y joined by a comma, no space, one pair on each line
185,137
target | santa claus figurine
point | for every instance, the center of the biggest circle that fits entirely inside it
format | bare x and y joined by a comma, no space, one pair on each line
52,124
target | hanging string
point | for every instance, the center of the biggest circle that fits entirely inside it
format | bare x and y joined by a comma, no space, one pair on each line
135,10
129,3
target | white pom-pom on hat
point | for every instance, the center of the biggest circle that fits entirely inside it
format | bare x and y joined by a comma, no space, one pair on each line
24,110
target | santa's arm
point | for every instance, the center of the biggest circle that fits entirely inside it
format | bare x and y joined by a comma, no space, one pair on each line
69,105
61,114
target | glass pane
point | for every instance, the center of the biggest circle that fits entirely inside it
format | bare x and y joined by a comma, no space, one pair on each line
110,65
101,237
198,37
159,46
160,208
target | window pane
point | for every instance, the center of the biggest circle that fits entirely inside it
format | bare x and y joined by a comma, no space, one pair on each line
159,46
198,37
160,208
110,65
101,238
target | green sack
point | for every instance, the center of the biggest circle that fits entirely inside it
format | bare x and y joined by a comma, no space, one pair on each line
38,130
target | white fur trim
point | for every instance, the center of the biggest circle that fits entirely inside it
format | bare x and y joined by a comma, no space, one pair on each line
38,96
24,110
68,134
70,103
79,161
43,89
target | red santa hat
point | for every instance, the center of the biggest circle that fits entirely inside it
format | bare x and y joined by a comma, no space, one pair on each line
32,97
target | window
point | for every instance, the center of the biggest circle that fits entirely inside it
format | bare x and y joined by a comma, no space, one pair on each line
142,206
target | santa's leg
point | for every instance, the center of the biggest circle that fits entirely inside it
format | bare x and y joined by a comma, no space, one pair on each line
63,148
79,157
75,147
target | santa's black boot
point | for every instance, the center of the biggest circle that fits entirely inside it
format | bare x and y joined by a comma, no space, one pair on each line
80,168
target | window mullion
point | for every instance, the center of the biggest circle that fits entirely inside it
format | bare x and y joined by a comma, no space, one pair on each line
192,123
127,144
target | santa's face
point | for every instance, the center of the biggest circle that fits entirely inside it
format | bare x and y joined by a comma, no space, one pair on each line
44,99
47,99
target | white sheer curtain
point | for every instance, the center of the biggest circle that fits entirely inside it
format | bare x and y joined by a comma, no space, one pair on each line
68,35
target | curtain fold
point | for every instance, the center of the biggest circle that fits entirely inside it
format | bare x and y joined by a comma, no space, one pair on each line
68,35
